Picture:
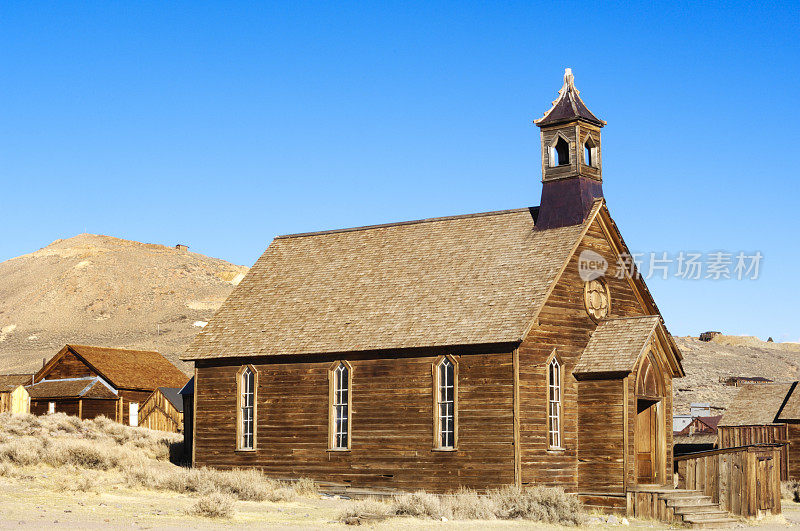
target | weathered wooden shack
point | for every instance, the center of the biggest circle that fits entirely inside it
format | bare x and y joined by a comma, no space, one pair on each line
14,397
163,410
477,350
132,374
765,413
85,398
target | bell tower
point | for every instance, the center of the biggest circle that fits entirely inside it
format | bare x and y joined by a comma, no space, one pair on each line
572,163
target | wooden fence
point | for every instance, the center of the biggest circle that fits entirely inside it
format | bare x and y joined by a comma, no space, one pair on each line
733,436
744,480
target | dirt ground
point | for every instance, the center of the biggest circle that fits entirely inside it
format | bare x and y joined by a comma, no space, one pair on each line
35,502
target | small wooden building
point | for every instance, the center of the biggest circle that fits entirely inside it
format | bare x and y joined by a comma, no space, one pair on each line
132,374
14,397
701,425
85,398
765,413
163,410
699,435
478,350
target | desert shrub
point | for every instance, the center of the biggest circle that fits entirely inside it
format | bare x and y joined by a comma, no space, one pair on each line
79,481
305,487
213,505
469,505
419,504
790,490
22,451
368,508
541,504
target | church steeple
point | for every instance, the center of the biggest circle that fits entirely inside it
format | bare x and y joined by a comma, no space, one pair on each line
572,174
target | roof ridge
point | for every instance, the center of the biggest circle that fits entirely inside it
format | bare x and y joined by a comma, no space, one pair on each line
75,345
76,379
410,222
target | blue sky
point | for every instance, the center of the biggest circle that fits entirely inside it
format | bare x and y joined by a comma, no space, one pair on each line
221,125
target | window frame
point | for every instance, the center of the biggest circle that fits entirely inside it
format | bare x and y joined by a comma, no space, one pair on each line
555,358
437,433
239,420
552,151
332,404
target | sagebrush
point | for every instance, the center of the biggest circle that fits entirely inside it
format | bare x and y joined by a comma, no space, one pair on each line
540,504
790,490
139,457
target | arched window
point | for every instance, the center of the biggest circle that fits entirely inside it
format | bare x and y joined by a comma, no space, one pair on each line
446,398
246,410
554,402
340,383
562,152
590,152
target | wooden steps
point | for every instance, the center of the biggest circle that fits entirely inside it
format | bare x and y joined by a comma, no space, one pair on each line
688,507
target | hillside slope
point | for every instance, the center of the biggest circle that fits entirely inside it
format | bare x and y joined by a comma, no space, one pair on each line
100,290
706,362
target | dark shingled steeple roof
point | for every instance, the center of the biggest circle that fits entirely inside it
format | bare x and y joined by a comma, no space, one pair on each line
568,106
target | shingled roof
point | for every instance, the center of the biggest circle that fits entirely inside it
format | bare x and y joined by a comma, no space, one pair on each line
791,409
568,106
125,368
462,280
9,382
71,388
616,344
756,405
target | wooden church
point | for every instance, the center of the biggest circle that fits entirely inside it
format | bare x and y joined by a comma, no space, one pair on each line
477,350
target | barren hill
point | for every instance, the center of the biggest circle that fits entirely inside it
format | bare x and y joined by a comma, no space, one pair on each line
706,362
100,290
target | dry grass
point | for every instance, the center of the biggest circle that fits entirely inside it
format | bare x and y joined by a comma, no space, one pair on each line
790,490
540,504
135,457
214,505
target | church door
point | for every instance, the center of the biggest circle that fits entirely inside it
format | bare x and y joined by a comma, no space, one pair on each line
650,441
646,440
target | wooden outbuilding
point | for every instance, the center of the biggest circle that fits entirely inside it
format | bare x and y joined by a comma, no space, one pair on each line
132,374
14,397
765,413
85,398
163,410
478,350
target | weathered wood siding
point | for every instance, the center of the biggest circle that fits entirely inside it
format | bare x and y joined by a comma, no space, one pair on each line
93,408
565,325
733,436
793,452
392,423
128,396
601,427
69,366
158,413
68,406
743,480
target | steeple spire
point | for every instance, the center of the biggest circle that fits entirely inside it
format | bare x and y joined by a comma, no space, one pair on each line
568,106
